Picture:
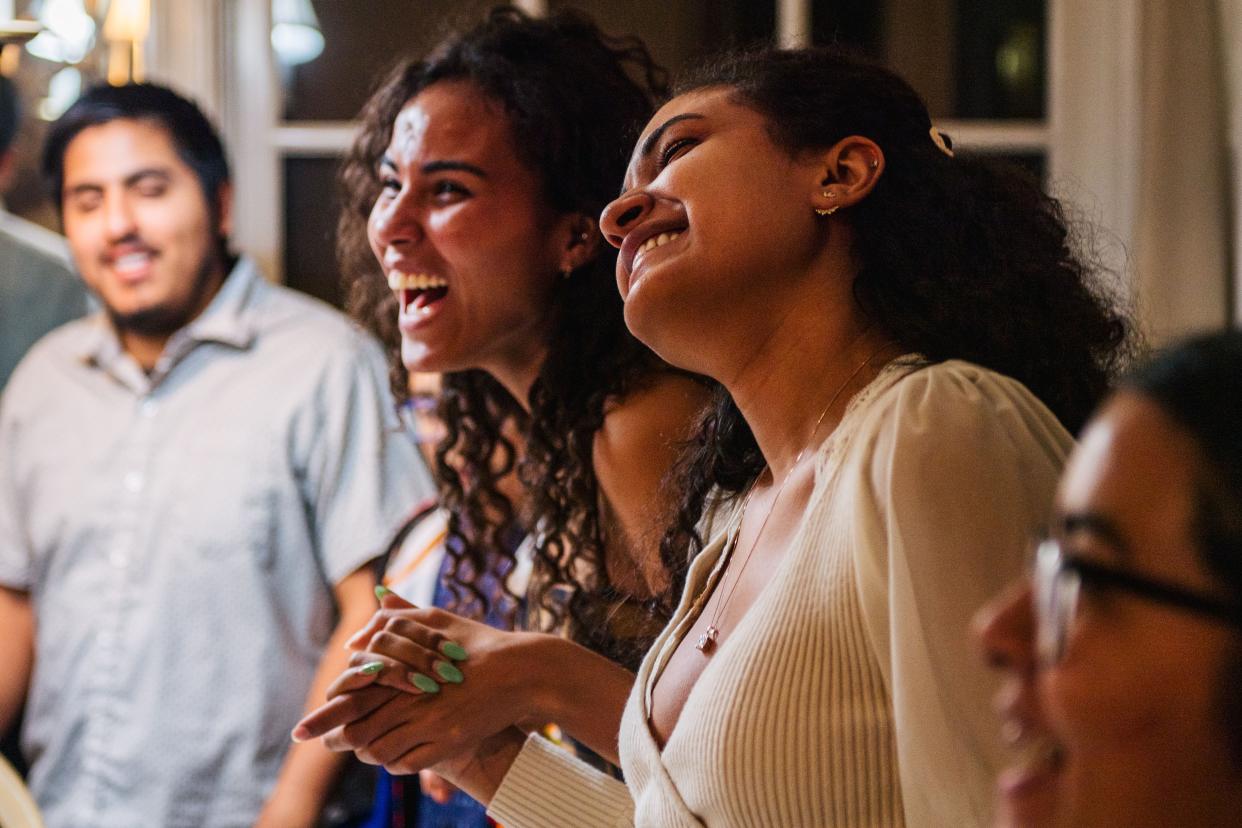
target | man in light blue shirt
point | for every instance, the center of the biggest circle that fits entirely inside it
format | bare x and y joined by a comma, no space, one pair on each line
192,484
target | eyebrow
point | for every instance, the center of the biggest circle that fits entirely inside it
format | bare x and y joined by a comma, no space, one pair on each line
1095,524
658,132
439,166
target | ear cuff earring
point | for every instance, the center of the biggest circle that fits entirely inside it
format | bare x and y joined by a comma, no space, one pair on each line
821,211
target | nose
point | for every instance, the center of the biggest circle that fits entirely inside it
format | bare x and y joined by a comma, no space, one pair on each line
393,222
623,214
1005,629
118,217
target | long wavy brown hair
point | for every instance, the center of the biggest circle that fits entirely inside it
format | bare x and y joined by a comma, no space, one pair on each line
575,99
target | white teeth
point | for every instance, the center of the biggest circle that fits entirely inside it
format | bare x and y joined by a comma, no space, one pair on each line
658,240
131,260
415,281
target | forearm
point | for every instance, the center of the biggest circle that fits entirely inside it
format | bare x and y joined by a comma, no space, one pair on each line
16,653
580,691
310,769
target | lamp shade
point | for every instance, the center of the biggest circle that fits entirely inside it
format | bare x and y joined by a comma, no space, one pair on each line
127,20
296,37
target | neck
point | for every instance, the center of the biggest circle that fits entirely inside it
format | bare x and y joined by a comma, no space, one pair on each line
517,373
795,389
146,347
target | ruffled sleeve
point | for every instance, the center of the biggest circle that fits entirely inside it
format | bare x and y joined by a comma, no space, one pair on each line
958,467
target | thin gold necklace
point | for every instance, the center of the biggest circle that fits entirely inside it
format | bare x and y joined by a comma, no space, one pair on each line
707,640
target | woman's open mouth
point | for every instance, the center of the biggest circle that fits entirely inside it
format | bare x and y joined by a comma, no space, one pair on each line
652,243
417,292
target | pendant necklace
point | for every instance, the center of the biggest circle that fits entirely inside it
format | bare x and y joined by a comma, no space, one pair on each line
707,640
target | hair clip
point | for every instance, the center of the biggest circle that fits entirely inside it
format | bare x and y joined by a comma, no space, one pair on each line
940,141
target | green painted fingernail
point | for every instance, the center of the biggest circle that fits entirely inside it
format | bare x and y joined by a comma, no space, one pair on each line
453,650
381,591
448,672
425,683
371,668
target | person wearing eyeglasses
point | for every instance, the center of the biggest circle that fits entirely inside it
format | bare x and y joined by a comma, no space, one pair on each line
1122,654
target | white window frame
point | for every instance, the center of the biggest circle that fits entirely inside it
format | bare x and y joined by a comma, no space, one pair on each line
218,50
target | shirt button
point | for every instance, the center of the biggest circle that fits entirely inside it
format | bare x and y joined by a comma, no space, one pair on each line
148,408
133,481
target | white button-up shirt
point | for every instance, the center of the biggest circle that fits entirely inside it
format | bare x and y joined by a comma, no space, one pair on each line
179,534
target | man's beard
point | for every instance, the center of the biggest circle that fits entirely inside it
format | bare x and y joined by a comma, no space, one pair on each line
167,319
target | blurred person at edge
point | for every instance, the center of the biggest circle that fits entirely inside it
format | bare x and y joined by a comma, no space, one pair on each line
194,481
1122,655
38,290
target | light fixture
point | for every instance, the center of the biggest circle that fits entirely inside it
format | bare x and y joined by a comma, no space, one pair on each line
296,37
68,32
126,29
63,89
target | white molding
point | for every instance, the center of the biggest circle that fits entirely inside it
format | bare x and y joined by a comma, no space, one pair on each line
250,118
1094,120
793,23
997,136
184,50
314,138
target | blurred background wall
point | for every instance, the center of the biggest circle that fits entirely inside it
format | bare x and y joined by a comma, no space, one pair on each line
1130,110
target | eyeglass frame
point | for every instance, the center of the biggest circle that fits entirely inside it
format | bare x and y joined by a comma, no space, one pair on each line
1052,565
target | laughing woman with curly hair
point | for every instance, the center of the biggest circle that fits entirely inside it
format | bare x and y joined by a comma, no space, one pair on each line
474,186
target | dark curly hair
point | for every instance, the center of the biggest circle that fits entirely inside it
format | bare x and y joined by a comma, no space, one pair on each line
958,257
575,99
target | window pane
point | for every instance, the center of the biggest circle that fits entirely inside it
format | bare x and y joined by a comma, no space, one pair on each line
680,32
311,209
968,58
362,41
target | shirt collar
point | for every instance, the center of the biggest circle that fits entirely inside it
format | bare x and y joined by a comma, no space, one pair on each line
227,319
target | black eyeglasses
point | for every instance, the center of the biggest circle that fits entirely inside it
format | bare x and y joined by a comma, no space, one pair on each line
1058,581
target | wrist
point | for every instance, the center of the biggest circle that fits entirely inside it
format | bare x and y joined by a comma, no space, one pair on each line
536,678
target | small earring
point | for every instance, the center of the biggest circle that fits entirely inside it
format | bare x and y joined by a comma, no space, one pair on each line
584,235
875,163
830,210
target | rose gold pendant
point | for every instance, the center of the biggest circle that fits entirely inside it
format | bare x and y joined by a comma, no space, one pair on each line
708,639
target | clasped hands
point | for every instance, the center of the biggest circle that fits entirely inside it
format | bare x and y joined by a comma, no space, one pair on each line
425,689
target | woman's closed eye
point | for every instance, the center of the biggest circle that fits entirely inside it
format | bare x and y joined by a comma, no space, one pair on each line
447,191
673,150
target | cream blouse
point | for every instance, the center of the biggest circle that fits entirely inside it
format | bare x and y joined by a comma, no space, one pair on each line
850,694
